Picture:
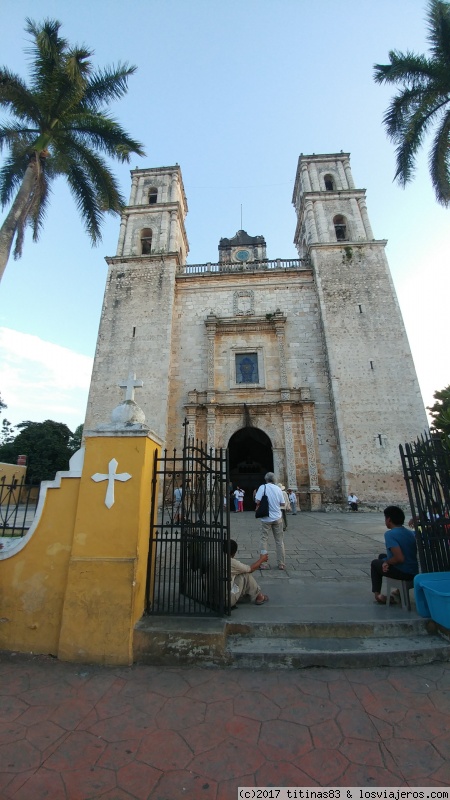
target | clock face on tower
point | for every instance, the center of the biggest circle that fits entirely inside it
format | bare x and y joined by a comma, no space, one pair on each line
242,255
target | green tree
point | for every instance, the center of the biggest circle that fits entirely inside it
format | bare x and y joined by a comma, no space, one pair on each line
60,126
75,439
46,445
440,413
422,103
6,430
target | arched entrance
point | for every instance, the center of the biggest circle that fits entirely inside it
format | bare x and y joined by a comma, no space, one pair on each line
251,456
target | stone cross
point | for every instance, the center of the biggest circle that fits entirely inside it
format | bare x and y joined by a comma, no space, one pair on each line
111,477
130,385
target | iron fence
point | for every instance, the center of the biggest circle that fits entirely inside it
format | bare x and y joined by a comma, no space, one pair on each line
18,501
188,571
426,468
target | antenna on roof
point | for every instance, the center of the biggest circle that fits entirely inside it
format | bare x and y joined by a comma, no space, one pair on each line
241,217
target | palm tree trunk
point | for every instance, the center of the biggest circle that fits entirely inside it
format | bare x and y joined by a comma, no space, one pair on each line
9,227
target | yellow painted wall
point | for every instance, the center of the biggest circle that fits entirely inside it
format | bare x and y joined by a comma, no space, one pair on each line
33,580
9,472
77,586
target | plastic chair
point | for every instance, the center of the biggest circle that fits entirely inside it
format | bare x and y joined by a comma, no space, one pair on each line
404,588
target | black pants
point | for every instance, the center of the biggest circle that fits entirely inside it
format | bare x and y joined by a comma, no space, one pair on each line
354,506
376,573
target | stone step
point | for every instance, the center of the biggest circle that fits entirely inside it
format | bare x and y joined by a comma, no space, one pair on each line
402,625
297,653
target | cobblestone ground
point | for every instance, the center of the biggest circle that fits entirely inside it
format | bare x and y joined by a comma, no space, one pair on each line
71,732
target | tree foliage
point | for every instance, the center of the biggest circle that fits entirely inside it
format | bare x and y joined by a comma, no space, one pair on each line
422,103
47,446
440,413
59,125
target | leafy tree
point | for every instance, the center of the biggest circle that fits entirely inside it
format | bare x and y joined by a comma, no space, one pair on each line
7,430
75,439
60,126
46,445
422,102
440,412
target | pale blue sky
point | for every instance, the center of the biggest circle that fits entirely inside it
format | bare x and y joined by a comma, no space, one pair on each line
233,91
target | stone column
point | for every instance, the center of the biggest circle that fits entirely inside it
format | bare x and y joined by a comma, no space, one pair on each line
365,218
134,186
314,487
278,463
279,329
305,179
211,427
311,220
342,175
314,178
211,325
121,242
291,467
173,232
321,222
173,188
348,174
360,231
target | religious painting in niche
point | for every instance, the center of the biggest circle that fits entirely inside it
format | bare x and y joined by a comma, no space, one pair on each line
247,368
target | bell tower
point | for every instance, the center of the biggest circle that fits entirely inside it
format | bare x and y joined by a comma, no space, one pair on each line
372,380
135,333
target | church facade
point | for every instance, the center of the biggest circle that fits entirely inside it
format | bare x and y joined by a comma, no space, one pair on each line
297,365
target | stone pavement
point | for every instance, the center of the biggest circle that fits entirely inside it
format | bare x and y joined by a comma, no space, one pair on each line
72,732
75,732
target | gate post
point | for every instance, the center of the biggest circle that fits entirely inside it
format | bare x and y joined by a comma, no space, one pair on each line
107,569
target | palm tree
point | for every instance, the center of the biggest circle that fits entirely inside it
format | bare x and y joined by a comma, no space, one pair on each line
59,126
422,103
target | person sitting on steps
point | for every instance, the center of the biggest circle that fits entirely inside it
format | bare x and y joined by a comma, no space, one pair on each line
242,581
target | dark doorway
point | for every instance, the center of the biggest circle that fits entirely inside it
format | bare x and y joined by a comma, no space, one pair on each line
251,456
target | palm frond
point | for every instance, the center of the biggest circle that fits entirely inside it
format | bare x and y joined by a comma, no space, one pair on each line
439,162
107,84
16,97
46,51
11,175
439,30
15,136
102,180
406,68
85,199
105,134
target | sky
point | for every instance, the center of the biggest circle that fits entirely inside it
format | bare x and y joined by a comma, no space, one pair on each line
233,92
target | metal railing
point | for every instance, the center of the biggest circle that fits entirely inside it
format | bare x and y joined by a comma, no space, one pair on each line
18,502
426,468
285,264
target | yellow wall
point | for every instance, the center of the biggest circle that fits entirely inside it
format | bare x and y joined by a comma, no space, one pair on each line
77,586
10,471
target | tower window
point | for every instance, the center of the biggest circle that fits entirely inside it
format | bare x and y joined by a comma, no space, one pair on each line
329,183
340,227
152,196
146,241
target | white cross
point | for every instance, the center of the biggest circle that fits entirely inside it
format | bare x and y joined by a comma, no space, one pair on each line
111,477
130,385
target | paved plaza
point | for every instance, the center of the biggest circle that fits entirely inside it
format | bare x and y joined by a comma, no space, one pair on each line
82,732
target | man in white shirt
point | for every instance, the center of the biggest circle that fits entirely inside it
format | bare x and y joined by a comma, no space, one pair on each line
353,501
242,581
273,522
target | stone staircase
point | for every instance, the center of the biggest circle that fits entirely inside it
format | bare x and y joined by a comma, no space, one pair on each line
401,641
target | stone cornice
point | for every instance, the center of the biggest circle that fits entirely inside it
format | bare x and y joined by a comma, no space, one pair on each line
245,324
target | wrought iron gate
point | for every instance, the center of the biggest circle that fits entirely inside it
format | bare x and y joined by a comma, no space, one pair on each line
188,570
426,467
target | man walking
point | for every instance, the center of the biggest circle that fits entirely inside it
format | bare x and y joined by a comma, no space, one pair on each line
274,521
293,501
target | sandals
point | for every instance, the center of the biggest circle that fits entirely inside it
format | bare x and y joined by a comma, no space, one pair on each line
261,602
281,566
381,600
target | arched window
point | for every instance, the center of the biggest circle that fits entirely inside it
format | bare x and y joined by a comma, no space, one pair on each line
340,226
329,183
146,241
152,196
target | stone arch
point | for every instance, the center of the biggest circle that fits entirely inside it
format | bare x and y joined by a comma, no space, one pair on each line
251,456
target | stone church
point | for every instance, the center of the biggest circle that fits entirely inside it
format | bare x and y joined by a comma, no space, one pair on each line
298,365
